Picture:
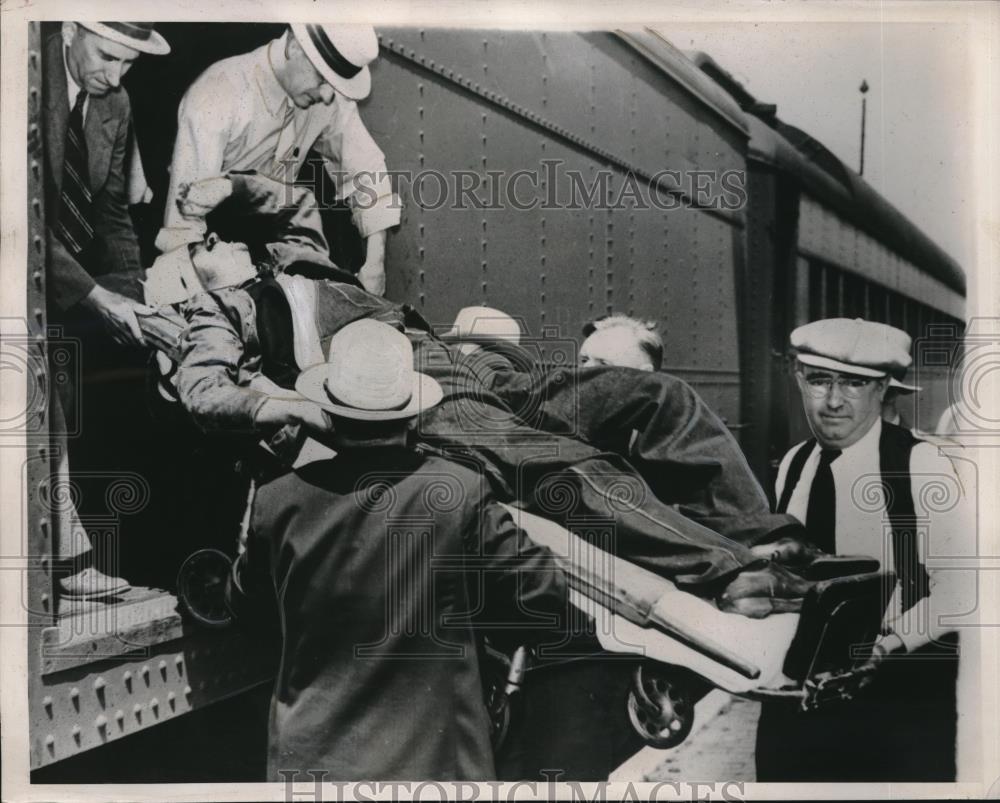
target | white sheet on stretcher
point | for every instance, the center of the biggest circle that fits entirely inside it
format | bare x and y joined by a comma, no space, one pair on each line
762,642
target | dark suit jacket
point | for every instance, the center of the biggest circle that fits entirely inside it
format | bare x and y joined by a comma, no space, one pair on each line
114,259
388,564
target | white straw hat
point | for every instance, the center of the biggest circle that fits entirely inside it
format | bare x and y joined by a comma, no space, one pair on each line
369,376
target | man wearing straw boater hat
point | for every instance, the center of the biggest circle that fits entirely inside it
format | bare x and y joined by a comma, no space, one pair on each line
94,270
266,109
865,486
383,554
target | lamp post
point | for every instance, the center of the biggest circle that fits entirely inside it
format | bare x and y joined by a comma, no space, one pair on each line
863,89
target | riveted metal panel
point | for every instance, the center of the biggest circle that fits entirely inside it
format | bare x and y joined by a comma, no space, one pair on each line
37,527
87,706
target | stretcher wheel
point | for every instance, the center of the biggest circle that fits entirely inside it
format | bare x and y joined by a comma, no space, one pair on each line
660,710
201,587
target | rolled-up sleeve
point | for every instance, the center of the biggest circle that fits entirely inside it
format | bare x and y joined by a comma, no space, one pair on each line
203,130
357,166
216,365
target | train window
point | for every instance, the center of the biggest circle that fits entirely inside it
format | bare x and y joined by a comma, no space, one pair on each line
896,302
877,307
852,296
817,282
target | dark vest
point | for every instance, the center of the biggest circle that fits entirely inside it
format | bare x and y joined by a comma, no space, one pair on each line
337,304
894,447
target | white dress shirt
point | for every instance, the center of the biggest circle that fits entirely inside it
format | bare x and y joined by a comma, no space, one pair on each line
946,534
236,116
73,89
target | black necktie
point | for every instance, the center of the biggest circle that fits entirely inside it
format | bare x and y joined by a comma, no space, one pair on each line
75,227
821,515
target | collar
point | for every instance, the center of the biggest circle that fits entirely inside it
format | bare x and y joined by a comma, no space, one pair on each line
72,87
271,92
866,445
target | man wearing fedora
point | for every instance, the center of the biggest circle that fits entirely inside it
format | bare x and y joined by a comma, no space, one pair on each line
265,109
93,263
863,486
391,563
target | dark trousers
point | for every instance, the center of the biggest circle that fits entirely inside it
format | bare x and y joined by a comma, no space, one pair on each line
902,728
554,442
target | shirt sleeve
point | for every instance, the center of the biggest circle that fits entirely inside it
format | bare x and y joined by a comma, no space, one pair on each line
779,482
204,122
944,503
357,166
216,366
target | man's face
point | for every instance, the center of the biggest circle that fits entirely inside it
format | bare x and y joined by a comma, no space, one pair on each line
614,346
220,264
840,407
301,81
96,64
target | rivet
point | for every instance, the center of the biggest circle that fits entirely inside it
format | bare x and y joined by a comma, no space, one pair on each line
50,742
187,691
172,700
179,661
145,673
120,718
101,722
47,705
99,685
162,666
154,706
127,678
76,733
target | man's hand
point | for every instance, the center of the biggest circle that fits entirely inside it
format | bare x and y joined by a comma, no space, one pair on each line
197,199
372,278
302,412
118,314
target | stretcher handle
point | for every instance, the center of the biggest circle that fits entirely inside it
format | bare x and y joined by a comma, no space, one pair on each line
640,611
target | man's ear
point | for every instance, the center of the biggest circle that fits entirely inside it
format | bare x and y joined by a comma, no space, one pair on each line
883,388
69,32
292,46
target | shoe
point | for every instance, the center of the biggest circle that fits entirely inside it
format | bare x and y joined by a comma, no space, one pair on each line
759,592
90,584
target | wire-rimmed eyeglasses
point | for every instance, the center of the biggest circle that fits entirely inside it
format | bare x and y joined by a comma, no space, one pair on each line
819,385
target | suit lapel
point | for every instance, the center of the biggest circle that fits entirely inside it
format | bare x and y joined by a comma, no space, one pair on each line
100,128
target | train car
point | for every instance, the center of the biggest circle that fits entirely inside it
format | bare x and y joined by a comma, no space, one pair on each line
646,185
822,243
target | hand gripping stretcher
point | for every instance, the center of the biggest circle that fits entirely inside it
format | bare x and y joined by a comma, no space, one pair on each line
684,644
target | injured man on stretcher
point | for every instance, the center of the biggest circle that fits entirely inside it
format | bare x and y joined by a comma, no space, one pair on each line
638,451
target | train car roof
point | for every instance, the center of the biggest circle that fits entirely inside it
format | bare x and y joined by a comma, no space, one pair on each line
826,178
674,63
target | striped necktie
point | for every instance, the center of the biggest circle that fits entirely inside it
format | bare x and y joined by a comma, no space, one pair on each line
75,228
821,512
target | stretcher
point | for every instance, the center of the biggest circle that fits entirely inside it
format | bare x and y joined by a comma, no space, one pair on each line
683,645
680,646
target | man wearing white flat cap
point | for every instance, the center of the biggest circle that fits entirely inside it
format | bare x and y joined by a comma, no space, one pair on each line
388,557
861,487
265,109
